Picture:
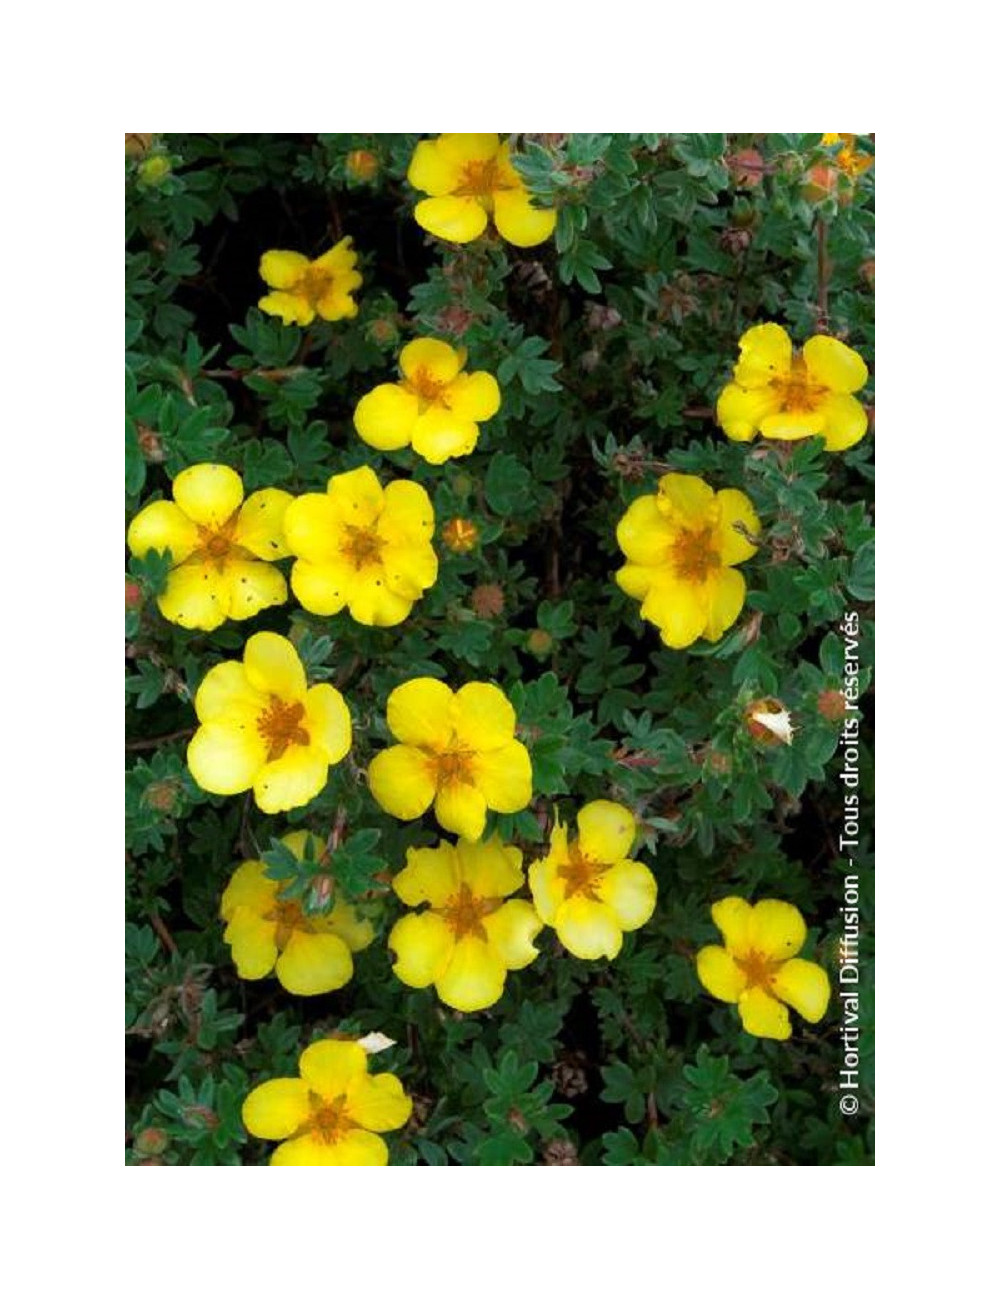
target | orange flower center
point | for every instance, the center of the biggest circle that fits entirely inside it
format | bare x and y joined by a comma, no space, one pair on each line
424,385
757,969
582,875
288,917
798,390
479,179
694,554
281,725
362,546
452,767
330,1120
216,545
463,913
314,283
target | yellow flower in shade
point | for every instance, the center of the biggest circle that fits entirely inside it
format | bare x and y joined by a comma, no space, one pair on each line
333,1113
681,546
758,968
436,407
303,290
589,890
219,547
308,954
263,728
470,179
789,395
458,753
469,937
362,546
850,160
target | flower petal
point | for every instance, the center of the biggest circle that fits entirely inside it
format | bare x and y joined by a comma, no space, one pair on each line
637,581
439,434
473,397
765,354
432,171
293,308
400,781
419,713
474,978
281,269
196,596
330,1065
834,364
407,514
764,1016
438,361
846,421
341,259
292,780
248,887
607,831
804,986
337,303
345,921
277,1108
629,889
483,717
409,568
735,508
423,945
357,496
225,695
430,876
644,534
208,494
461,808
777,929
504,777
322,586
328,721
313,528
490,868
273,665
466,147
588,929
251,940
261,524
162,526
720,974
314,963
512,930
384,418
378,1103
739,411
519,221
685,500
459,220
224,759
726,590
733,916
372,601
548,889
356,1147
678,607
791,426
253,586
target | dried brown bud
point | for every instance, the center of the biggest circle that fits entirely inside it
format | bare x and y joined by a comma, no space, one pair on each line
560,1151
487,600
832,705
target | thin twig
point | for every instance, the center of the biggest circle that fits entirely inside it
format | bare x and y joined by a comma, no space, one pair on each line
159,740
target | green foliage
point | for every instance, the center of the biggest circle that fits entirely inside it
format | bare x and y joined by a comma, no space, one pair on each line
610,343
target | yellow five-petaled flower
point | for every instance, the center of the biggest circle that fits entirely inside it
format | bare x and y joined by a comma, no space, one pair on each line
458,753
469,937
681,546
264,728
363,546
758,968
437,407
333,1113
588,889
308,954
303,290
790,395
470,179
219,547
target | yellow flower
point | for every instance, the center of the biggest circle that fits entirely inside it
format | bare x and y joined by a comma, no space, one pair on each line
469,938
309,954
219,547
458,752
362,546
590,890
263,728
436,407
460,535
758,968
849,159
470,179
791,395
333,1113
305,290
681,546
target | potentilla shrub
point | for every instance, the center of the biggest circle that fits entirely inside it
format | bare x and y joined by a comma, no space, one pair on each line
498,649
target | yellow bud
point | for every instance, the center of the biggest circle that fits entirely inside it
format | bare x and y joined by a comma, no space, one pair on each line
460,535
154,170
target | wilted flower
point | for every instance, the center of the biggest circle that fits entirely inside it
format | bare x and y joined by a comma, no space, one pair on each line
469,937
333,1113
263,728
436,407
304,290
470,179
790,395
758,969
681,546
308,954
589,890
458,752
363,546
219,547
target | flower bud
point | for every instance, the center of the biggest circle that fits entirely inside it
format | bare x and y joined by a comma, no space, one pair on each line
821,183
150,445
769,722
361,165
384,332
746,168
151,1142
487,600
319,899
539,642
162,796
137,146
133,594
153,171
831,705
460,535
